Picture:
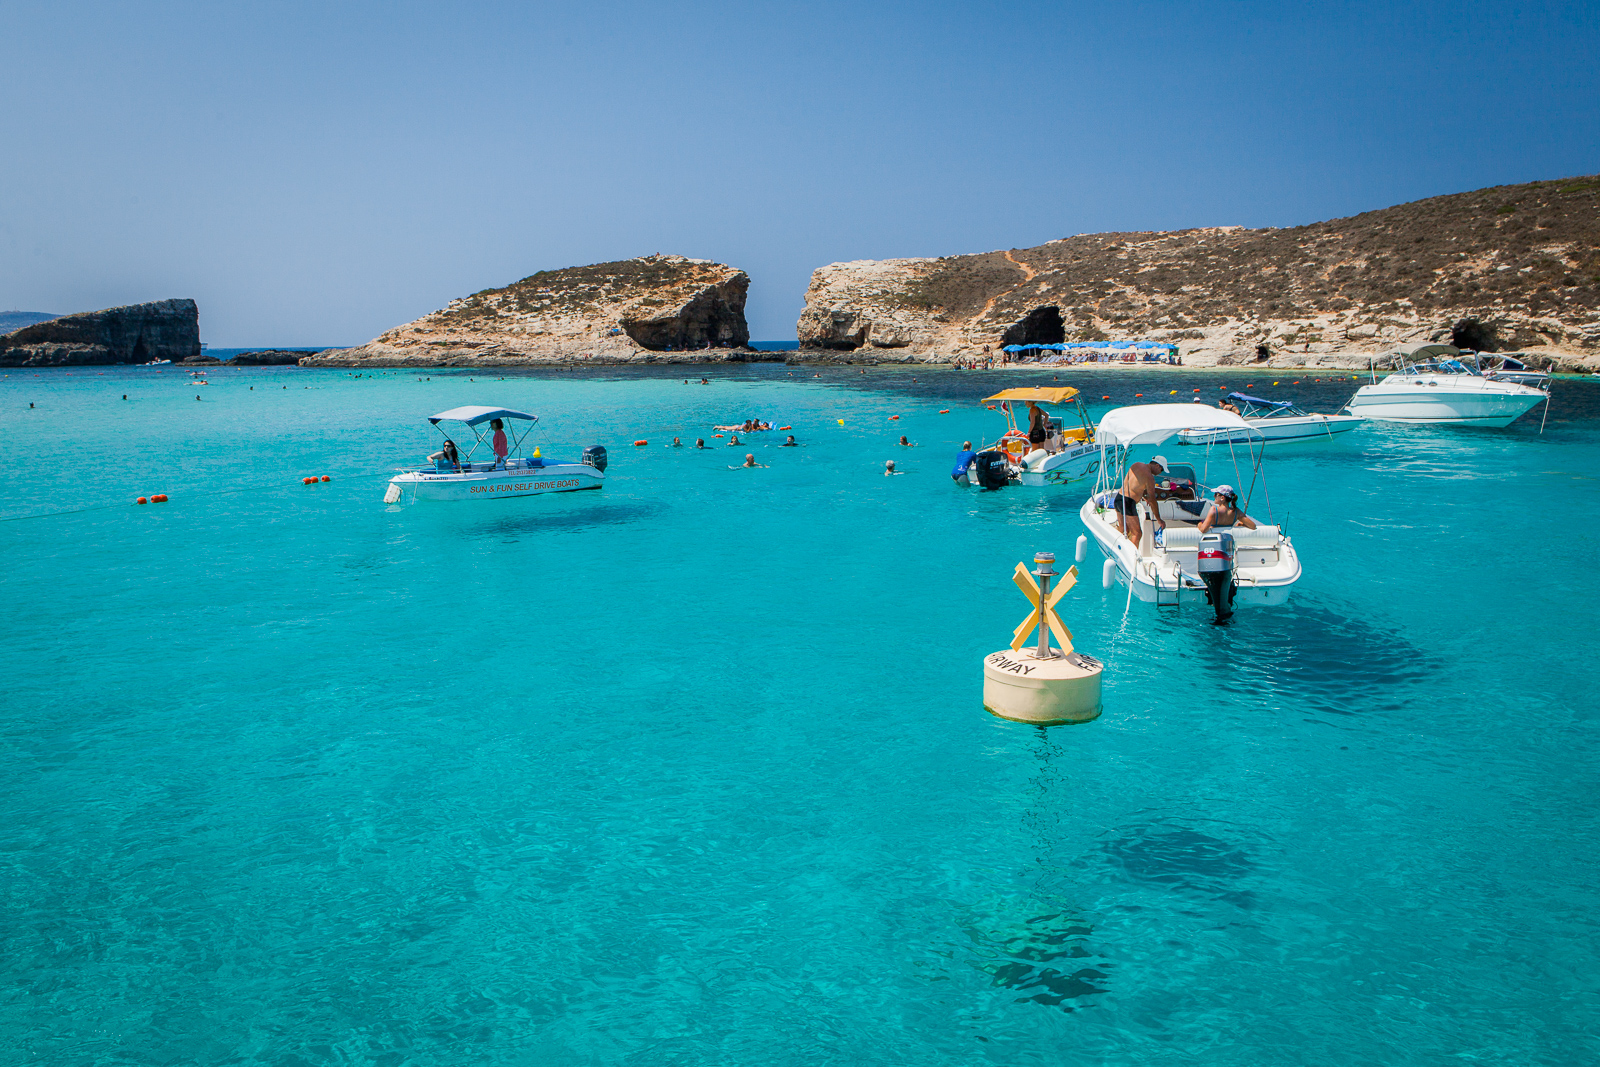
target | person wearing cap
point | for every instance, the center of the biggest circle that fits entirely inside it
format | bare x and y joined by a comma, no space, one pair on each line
1139,484
1225,510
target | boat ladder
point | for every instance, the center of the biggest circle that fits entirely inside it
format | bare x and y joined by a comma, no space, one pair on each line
1162,589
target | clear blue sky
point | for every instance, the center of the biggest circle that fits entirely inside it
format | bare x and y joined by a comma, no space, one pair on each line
314,173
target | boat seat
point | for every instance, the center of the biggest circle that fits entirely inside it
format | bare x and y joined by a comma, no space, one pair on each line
1182,538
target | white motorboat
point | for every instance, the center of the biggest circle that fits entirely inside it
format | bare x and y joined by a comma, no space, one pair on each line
1433,384
1066,456
1274,420
516,475
1224,566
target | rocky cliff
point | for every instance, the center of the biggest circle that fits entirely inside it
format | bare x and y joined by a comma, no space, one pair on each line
138,333
653,309
1513,267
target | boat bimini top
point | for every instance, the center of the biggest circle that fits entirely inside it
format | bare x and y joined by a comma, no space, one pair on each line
472,416
1151,424
1037,395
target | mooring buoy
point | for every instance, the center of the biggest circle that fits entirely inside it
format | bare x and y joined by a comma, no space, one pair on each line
1042,686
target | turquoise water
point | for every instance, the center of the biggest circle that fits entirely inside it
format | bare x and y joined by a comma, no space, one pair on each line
694,770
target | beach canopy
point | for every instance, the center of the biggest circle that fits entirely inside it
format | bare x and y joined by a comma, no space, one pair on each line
1038,395
472,416
1258,400
1151,424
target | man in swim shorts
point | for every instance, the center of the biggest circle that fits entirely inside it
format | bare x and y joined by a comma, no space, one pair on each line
1139,484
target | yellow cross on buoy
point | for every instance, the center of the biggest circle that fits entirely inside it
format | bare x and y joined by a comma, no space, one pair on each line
1044,614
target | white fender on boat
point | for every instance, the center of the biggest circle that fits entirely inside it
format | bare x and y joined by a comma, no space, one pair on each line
393,495
1108,573
1083,547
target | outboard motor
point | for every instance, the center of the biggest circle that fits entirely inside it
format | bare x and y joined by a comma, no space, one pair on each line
595,456
1215,559
993,469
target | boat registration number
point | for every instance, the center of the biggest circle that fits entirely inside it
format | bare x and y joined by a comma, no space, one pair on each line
523,487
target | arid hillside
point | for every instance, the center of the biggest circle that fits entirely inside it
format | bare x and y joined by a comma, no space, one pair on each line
656,308
1512,267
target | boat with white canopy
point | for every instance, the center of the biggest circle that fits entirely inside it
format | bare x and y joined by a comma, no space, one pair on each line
1065,456
1274,420
1435,384
1223,566
469,478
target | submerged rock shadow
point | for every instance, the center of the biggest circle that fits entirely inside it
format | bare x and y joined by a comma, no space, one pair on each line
1309,653
576,518
1025,945
1171,855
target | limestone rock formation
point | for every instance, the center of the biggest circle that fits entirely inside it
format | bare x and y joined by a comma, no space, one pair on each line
652,309
138,333
1513,267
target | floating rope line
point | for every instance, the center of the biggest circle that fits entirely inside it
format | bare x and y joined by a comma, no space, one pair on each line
262,487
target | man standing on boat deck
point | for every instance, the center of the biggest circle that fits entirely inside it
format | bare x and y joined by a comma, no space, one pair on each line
1139,484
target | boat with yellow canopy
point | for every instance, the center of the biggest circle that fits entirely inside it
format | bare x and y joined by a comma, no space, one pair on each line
1065,455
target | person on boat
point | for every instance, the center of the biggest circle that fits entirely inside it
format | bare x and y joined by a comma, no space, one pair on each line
1139,484
964,460
1038,424
1225,406
1225,511
498,442
790,443
446,456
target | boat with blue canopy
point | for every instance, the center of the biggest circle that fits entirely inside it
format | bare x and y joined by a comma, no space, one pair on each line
1272,420
503,472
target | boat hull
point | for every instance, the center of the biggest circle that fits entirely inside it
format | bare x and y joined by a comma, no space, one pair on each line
499,484
1293,428
1064,468
1484,403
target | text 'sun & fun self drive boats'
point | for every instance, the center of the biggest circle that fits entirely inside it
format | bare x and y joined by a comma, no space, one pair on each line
1223,566
1273,420
1066,455
1435,384
515,475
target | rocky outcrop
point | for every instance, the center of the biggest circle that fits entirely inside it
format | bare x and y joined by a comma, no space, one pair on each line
653,309
272,357
1510,268
138,333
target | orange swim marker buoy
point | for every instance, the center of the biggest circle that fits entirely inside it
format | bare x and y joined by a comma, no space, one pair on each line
159,498
1138,394
894,416
326,478
307,481
944,411
141,500
721,435
785,427
638,443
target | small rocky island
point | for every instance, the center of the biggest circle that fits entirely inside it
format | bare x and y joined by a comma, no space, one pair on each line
655,309
138,333
1513,267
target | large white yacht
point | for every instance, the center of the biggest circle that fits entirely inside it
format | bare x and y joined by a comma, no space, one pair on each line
1434,383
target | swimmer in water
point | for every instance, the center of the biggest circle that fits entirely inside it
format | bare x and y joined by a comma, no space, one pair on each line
888,469
905,442
733,441
677,443
699,442
790,443
750,461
